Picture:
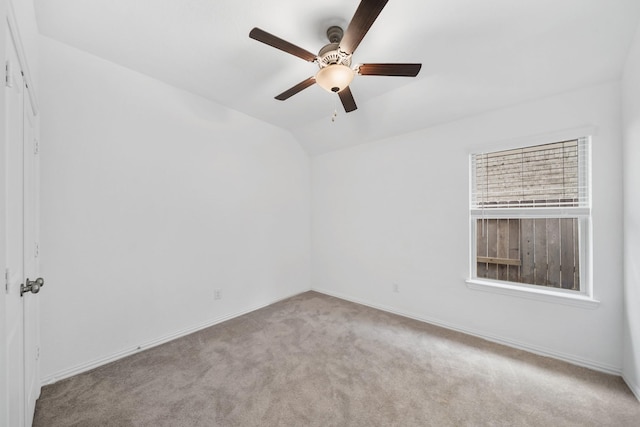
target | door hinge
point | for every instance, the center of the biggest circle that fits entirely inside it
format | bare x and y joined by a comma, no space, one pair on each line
8,80
36,146
37,353
7,277
36,250
25,82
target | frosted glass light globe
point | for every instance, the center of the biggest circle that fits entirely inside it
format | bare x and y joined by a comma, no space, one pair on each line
335,77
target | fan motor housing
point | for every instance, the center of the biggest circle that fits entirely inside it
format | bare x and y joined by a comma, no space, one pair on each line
331,54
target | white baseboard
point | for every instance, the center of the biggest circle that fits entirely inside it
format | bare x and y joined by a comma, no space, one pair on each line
635,388
574,360
84,367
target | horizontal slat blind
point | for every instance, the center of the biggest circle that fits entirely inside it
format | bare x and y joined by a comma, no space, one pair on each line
550,175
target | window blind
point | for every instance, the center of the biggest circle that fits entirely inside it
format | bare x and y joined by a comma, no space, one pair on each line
549,175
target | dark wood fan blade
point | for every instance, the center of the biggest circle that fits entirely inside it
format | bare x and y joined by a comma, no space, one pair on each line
297,88
348,102
405,70
365,15
283,45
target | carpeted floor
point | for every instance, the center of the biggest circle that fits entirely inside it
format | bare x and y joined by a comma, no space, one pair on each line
314,360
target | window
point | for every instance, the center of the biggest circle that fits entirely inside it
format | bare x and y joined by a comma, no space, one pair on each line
530,217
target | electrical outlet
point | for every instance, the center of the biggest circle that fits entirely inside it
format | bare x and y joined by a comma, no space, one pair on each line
217,294
396,288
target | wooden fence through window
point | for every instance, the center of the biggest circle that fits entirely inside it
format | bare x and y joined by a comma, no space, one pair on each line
540,251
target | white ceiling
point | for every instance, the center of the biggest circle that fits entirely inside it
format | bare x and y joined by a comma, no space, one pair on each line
477,55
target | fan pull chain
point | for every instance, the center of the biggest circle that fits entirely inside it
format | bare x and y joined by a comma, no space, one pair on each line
334,116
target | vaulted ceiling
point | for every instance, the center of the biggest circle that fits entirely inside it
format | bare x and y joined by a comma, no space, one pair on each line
477,55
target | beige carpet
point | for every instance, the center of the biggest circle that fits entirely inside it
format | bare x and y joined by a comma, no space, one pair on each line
314,360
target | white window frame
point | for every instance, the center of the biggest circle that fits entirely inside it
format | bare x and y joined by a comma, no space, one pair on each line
582,298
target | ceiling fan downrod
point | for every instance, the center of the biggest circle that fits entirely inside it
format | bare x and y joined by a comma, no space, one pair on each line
334,34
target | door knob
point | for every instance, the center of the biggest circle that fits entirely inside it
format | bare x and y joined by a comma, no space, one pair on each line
32,286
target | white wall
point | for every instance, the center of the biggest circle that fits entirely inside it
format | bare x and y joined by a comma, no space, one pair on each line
631,149
396,211
151,199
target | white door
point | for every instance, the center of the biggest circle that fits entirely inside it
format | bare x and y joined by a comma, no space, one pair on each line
14,90
21,219
31,252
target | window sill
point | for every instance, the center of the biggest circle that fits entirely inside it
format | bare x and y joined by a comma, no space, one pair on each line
545,295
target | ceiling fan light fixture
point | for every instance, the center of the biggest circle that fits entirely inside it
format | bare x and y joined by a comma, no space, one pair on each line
334,59
334,77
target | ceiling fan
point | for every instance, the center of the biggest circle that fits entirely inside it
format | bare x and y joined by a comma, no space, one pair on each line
334,59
